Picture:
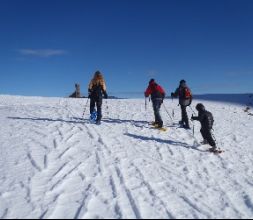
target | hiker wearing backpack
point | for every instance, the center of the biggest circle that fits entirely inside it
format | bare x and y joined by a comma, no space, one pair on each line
97,91
185,99
157,94
207,121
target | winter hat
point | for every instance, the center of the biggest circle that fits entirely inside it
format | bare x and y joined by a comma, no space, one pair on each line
182,82
151,81
98,73
200,107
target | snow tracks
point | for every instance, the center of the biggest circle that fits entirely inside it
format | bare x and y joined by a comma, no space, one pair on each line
56,165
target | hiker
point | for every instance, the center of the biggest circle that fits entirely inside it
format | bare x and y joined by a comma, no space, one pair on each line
207,121
157,96
97,91
185,99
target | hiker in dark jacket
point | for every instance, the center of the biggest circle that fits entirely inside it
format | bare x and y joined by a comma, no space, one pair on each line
97,90
157,96
185,99
206,120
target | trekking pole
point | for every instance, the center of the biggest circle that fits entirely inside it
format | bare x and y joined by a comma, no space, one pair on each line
192,110
167,112
68,108
173,111
145,104
107,107
85,108
193,128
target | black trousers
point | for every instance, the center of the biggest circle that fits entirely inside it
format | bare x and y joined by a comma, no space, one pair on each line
185,119
96,102
157,106
207,135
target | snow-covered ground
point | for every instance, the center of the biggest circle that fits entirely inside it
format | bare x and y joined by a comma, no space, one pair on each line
55,165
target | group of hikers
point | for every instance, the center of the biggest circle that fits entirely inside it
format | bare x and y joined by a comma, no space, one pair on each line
97,91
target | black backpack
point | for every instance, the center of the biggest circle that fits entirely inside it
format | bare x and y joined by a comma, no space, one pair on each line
97,91
210,119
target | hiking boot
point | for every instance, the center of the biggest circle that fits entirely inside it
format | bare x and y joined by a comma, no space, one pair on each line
186,127
159,126
213,149
154,124
204,142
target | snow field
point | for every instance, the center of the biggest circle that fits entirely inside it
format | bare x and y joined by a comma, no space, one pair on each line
53,164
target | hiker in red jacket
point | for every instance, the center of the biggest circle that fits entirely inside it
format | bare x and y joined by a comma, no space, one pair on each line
157,96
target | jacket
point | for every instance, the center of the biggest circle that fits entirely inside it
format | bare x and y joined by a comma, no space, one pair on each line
206,119
156,92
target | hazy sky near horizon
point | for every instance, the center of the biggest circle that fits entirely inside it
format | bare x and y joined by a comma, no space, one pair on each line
49,45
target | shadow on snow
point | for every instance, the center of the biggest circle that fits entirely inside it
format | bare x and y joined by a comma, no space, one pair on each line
50,120
109,120
75,120
169,142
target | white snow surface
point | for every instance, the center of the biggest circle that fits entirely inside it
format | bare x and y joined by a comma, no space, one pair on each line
53,164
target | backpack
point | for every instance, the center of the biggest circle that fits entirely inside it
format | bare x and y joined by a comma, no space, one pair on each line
210,119
97,91
157,92
187,93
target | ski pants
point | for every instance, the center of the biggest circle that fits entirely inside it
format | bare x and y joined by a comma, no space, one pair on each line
185,119
207,135
96,102
157,106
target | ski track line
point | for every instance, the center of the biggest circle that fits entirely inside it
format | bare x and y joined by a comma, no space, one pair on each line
167,170
33,162
5,214
66,139
108,154
117,208
152,193
60,181
82,210
101,156
36,130
134,206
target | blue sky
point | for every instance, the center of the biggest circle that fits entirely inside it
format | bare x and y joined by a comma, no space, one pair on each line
47,46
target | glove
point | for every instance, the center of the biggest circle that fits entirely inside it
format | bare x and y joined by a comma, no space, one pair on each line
163,97
105,96
89,93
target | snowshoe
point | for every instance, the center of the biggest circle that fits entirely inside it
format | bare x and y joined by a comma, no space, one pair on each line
216,151
93,116
159,128
162,129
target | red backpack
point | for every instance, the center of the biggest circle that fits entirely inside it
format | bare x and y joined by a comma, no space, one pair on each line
187,93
